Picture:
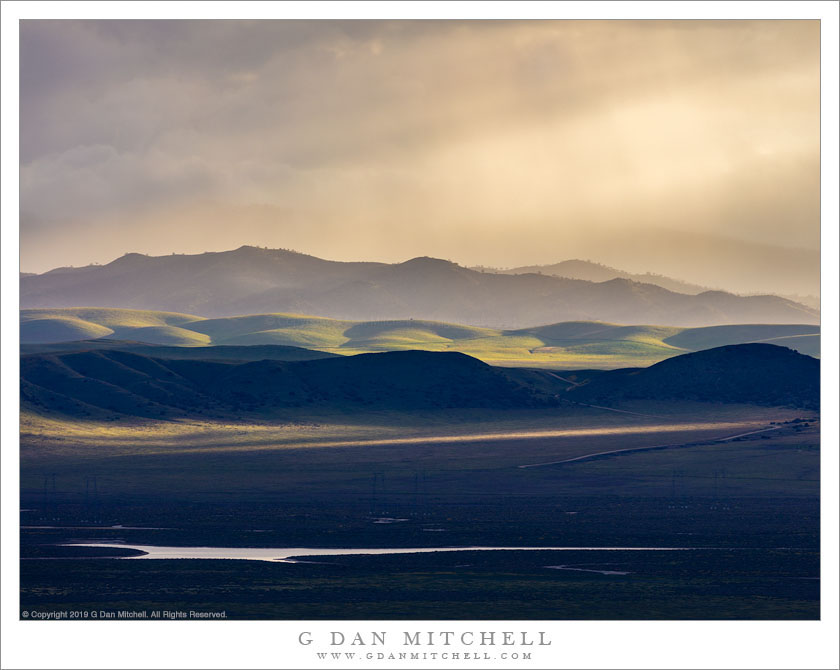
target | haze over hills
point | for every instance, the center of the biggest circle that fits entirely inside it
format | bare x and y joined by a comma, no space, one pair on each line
597,272
568,344
256,280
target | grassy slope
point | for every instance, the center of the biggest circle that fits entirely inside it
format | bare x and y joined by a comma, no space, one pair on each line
695,339
172,335
57,325
57,328
563,345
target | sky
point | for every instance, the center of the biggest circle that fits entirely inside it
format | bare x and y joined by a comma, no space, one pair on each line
689,148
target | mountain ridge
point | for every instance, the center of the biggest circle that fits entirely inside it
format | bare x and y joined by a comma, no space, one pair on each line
256,280
599,272
576,268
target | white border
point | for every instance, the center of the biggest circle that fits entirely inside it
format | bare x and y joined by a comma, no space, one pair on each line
707,644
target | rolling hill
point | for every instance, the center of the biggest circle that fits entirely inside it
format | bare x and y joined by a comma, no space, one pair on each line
106,384
761,374
572,344
230,353
50,325
102,384
254,280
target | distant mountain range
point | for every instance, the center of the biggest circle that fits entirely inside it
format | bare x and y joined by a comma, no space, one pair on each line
597,272
567,344
109,383
255,280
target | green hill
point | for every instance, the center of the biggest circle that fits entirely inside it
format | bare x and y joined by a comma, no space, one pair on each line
166,335
569,345
60,329
84,323
717,336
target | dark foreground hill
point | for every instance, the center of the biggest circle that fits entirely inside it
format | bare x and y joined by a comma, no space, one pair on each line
761,374
254,352
95,382
105,383
254,280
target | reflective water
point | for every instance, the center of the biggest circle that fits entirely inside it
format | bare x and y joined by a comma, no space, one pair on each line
289,554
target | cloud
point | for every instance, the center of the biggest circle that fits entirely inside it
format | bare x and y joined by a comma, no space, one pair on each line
368,133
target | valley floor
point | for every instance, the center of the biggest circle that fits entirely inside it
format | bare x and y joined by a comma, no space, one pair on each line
747,501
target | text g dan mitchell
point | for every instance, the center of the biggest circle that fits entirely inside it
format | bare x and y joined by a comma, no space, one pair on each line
429,638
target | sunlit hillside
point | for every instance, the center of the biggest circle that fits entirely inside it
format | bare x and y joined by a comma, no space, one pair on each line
574,344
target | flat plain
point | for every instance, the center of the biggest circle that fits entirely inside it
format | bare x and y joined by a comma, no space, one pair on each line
748,506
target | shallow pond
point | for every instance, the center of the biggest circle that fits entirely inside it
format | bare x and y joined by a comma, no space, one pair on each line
289,554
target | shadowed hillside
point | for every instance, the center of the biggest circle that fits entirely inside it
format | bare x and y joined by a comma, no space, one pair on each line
254,280
762,374
257,352
104,383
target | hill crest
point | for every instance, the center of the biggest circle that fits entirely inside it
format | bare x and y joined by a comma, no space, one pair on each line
254,280
759,373
570,344
109,383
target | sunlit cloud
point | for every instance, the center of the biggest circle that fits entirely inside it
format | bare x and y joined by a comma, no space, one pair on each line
501,143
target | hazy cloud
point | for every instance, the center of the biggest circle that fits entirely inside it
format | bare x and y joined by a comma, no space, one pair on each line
486,142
